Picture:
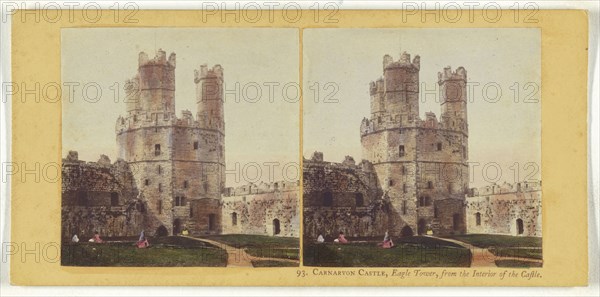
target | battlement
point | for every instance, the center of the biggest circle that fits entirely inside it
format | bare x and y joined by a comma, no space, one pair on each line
403,62
155,119
260,188
459,74
347,163
506,188
376,86
215,72
159,59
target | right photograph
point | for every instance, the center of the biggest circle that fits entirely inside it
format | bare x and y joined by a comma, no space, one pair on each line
422,148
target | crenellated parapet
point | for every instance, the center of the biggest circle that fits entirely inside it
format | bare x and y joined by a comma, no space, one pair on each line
506,188
159,59
403,62
459,74
261,188
205,73
348,163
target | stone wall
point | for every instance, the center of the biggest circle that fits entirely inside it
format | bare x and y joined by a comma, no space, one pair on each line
343,197
100,196
510,209
263,209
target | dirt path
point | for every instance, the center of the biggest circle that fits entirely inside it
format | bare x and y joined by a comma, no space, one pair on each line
482,257
237,257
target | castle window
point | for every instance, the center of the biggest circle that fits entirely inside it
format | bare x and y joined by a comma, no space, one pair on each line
478,219
439,146
191,212
195,145
360,201
327,199
185,184
179,201
403,169
157,149
135,118
404,190
159,206
430,185
234,219
114,199
160,187
404,207
424,201
159,169
391,182
146,182
464,149
435,212
401,151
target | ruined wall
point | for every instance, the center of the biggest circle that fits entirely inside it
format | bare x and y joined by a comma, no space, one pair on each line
497,209
343,197
99,196
263,209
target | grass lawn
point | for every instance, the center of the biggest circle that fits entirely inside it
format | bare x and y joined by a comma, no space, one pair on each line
517,252
261,245
497,241
165,251
271,263
408,252
517,264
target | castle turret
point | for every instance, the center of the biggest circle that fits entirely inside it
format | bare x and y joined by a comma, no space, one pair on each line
453,93
156,78
209,97
398,92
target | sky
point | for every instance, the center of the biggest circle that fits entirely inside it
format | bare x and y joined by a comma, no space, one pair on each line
504,134
261,123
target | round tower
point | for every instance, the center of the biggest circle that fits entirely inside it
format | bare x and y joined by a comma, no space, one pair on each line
156,78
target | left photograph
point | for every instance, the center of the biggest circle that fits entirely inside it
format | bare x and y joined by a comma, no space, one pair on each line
180,147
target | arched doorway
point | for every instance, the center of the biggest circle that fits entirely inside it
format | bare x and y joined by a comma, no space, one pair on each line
276,227
162,231
176,226
422,227
406,231
520,228
456,222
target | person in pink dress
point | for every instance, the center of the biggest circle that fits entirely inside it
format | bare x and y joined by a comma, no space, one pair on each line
97,238
341,238
142,242
387,241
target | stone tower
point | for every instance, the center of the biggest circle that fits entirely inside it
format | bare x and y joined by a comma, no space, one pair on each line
420,164
178,162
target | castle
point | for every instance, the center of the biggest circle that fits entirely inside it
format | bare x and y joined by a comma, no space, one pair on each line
170,174
414,176
175,168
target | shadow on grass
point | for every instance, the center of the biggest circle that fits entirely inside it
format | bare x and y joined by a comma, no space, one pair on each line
407,252
163,252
